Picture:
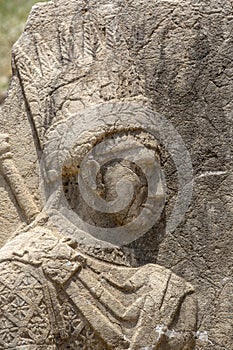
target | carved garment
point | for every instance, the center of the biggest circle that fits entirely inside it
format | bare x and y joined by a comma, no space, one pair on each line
34,315
53,297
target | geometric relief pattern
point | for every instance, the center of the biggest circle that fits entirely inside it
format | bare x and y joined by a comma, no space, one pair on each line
24,318
81,335
33,316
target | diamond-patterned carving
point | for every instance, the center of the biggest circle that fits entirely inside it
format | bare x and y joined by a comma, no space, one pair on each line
31,317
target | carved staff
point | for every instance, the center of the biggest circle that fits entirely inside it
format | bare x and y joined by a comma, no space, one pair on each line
15,180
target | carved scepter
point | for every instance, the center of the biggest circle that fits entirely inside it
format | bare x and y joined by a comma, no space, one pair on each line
15,180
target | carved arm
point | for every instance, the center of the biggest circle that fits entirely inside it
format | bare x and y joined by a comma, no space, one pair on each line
15,180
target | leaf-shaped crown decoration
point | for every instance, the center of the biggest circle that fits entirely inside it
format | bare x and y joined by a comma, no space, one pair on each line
86,41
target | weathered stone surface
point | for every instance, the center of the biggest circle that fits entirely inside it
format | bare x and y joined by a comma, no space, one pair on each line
104,91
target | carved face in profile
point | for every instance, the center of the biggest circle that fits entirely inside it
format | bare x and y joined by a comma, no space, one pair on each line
107,181
114,186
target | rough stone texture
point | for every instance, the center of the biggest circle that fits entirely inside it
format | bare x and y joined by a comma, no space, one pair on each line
176,58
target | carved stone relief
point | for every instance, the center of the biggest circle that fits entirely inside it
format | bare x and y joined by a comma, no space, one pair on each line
109,212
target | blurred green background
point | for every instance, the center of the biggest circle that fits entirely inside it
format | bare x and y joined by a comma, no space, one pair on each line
13,16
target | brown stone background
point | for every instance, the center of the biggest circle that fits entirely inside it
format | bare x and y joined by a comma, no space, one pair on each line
187,70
